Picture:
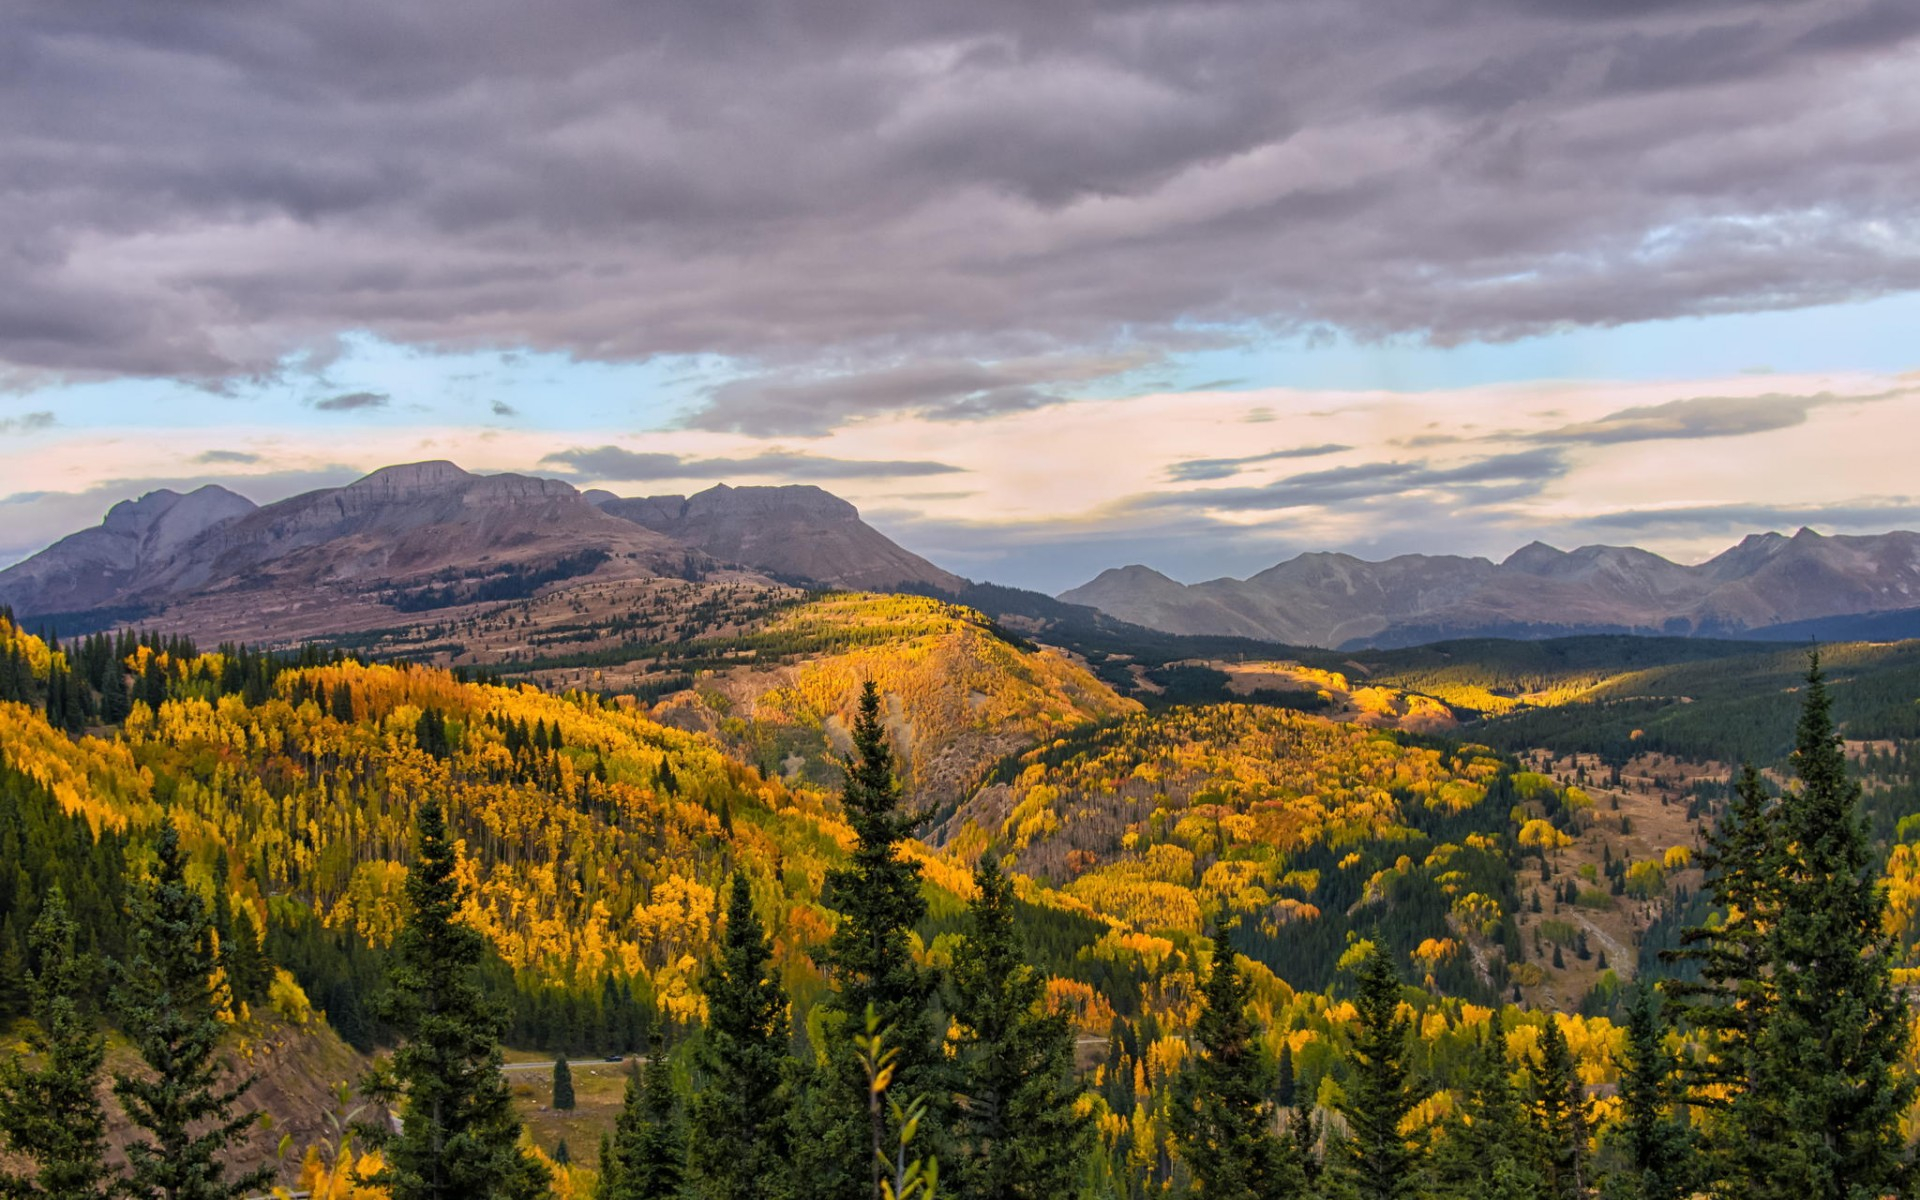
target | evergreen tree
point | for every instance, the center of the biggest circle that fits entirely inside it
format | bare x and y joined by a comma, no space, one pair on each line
49,1113
1222,1111
1381,1164
562,1084
170,1009
1486,1153
1838,1031
1560,1115
649,1144
738,1136
1653,1141
869,959
460,1136
1020,1134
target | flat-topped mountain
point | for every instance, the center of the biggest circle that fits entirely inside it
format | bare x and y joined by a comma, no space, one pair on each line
798,532
1538,591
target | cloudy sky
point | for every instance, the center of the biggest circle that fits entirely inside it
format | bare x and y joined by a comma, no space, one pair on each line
1044,288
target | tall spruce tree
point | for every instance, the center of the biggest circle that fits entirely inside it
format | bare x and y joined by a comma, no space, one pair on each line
649,1152
1223,1113
562,1084
739,1121
1021,1136
1380,1162
459,1137
1652,1139
869,960
1730,1002
1838,1030
1560,1115
170,1007
49,1112
1485,1154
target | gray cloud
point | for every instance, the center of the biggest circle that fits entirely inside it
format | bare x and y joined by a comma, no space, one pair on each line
353,401
615,463
1196,469
226,456
830,185
809,404
502,409
1479,482
1873,514
32,422
1702,417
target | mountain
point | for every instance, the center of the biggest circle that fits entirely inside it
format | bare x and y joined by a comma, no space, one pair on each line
798,532
1336,600
405,538
102,565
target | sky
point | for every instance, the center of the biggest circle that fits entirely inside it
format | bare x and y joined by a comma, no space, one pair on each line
1044,289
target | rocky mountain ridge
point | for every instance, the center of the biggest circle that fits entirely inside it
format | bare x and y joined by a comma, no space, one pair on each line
1337,600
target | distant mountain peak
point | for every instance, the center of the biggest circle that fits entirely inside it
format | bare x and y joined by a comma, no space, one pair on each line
404,478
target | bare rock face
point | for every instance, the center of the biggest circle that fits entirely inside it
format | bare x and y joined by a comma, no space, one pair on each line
797,532
1538,591
99,566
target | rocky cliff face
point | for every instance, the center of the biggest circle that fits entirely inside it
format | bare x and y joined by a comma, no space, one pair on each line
101,565
1538,591
798,533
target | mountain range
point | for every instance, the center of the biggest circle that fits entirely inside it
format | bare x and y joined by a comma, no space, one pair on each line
428,536
1769,583
432,538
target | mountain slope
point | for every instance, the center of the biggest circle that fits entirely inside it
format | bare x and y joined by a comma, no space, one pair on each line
1337,600
798,532
104,564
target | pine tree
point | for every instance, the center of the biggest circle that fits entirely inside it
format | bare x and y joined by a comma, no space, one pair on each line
1485,1153
170,1010
1560,1115
1381,1164
869,960
1222,1111
460,1136
1838,1031
1020,1133
738,1135
50,1113
562,1084
1652,1139
649,1152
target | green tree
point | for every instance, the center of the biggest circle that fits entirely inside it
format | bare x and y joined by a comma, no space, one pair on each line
562,1084
49,1112
1381,1163
1560,1115
1652,1139
170,1009
1486,1153
1838,1030
1223,1113
649,1156
1020,1135
738,1128
1729,1003
459,1137
869,960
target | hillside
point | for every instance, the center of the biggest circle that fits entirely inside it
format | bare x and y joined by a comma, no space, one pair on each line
1336,600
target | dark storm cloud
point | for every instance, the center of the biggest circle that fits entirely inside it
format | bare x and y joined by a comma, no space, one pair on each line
353,402
615,463
826,187
1702,417
1196,469
1480,482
